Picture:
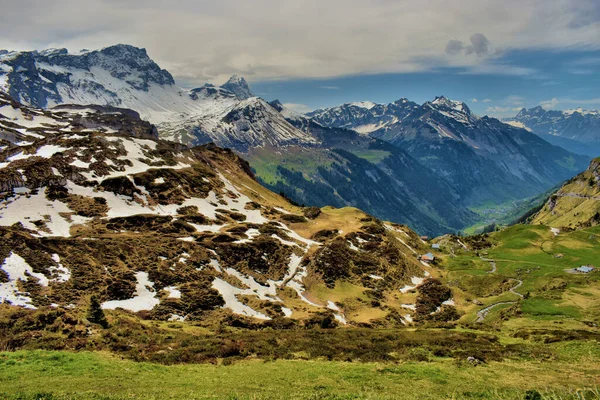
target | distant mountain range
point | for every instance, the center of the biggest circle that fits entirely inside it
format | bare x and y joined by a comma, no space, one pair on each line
422,165
576,130
482,158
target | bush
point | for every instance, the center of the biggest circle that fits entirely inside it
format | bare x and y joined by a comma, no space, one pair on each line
95,313
311,212
418,354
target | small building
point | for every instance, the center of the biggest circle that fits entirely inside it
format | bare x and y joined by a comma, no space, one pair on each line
429,257
585,269
425,238
435,246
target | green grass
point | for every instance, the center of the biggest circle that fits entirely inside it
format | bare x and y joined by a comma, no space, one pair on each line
64,375
547,308
265,162
527,253
505,213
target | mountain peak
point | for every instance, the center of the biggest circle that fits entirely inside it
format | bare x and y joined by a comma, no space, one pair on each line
443,101
238,85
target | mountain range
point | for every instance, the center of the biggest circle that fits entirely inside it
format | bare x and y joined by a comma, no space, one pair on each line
576,130
483,159
422,165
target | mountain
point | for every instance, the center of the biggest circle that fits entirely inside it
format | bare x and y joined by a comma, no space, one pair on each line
238,86
483,159
394,188
93,205
363,117
576,204
124,76
350,169
576,130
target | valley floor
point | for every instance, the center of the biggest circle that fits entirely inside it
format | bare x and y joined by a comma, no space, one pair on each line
86,375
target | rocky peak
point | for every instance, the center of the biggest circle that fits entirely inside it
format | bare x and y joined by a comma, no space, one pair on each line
445,102
238,85
276,104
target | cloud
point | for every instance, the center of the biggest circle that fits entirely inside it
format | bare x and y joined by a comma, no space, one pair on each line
480,45
207,41
454,47
497,109
486,101
329,87
299,108
514,100
474,100
549,104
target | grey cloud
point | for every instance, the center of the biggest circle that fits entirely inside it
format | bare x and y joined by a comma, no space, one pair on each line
454,47
207,40
480,45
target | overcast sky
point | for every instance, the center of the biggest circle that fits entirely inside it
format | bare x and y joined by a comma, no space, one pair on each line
496,55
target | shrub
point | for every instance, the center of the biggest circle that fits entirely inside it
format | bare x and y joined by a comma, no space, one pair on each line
95,313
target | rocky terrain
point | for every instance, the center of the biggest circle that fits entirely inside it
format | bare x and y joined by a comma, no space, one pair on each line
94,209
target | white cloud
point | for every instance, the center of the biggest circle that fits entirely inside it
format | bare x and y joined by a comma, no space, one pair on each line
497,109
514,100
203,40
549,104
329,87
486,100
299,108
552,104
474,100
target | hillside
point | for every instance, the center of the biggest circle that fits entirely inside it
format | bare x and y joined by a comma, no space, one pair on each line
182,234
139,248
576,204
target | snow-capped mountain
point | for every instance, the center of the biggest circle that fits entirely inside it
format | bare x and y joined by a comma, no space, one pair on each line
577,130
238,85
124,76
363,117
482,158
92,203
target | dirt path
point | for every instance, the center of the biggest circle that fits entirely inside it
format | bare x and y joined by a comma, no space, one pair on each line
481,314
492,263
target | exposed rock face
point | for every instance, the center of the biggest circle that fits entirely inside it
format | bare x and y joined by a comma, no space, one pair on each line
35,77
238,85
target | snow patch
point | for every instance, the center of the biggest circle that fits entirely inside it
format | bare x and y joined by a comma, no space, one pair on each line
143,300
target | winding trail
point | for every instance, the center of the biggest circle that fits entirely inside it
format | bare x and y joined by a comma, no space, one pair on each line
481,314
492,263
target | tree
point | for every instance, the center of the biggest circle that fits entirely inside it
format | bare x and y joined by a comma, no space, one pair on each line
95,313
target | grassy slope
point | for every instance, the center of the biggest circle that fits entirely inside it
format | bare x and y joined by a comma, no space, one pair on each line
572,211
527,253
38,374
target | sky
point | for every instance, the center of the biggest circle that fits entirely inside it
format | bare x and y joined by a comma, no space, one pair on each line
497,56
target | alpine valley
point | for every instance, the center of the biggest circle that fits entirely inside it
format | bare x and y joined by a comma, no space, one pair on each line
158,242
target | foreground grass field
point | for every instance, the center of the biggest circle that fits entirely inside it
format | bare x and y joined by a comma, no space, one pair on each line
575,374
